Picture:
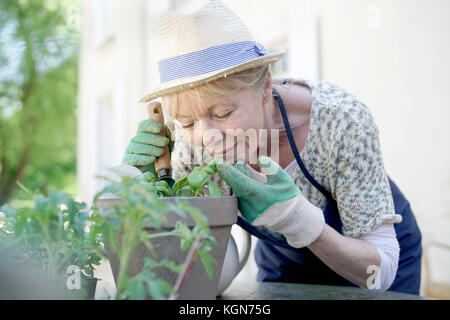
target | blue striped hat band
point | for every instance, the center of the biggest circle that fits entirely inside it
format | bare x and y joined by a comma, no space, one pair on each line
209,59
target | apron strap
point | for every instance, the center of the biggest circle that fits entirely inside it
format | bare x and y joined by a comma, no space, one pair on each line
308,176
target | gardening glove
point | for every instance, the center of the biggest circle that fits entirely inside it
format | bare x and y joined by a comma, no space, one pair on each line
147,145
277,204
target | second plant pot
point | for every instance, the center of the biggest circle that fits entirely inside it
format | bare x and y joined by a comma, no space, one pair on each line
221,213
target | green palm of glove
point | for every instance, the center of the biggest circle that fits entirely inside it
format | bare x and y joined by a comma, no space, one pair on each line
146,146
256,197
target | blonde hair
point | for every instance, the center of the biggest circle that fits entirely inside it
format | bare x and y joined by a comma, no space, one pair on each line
253,78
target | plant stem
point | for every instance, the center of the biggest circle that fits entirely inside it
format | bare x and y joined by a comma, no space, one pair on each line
124,259
51,263
127,248
25,189
47,243
161,234
187,266
63,260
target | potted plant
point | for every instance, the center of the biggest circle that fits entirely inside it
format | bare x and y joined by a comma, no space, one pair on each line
53,234
154,234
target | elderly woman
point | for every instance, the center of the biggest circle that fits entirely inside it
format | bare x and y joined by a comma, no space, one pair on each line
318,197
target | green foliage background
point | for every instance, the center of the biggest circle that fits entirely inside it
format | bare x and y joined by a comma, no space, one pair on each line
39,44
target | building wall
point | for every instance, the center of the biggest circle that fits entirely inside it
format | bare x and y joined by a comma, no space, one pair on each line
112,77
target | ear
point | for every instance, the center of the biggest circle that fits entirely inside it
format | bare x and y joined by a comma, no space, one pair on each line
267,94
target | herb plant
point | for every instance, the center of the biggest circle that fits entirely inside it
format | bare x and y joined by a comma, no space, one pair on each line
193,185
53,233
142,206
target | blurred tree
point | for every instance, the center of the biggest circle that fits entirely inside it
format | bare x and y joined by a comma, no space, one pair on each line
39,42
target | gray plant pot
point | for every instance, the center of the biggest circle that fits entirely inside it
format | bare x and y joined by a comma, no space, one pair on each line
221,213
87,290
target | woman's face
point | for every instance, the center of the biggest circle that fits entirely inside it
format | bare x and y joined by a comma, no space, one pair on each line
226,126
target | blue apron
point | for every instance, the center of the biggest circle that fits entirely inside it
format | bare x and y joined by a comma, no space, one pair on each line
278,261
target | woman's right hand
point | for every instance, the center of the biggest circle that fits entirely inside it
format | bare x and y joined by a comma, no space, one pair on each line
146,146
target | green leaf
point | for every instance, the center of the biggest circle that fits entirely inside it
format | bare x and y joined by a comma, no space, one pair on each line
213,165
175,207
180,183
143,238
214,190
171,265
197,178
56,197
200,219
149,263
8,210
208,170
147,275
163,188
182,231
148,177
207,261
186,244
186,192
111,238
136,290
211,240
80,223
111,188
159,289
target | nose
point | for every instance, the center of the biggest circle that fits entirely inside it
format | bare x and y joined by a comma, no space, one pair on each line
210,134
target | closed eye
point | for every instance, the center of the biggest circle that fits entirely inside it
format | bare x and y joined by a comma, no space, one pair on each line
225,115
190,125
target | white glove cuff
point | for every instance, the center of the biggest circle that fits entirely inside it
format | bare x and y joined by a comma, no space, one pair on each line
297,219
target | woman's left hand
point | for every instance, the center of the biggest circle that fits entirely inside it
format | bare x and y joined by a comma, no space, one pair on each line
277,204
256,197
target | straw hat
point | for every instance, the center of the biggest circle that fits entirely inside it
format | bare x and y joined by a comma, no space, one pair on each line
208,44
